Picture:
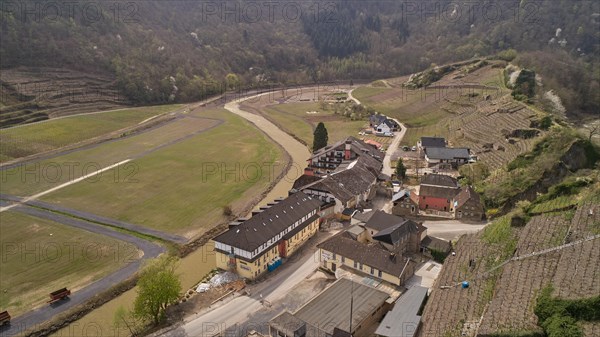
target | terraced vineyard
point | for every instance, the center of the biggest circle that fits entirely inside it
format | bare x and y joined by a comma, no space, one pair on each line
579,264
470,108
454,306
34,94
504,305
511,309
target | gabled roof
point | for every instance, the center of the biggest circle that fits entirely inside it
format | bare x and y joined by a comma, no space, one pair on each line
466,193
356,145
304,180
347,183
433,142
402,320
438,191
364,217
447,153
401,194
393,234
439,180
382,220
252,233
377,118
436,244
372,254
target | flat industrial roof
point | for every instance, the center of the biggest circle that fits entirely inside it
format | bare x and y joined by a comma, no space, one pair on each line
331,308
403,320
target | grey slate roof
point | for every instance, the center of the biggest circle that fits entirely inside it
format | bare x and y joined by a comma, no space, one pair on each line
304,180
364,217
382,220
438,192
467,193
428,142
447,153
331,308
402,320
346,184
440,245
373,255
439,180
263,226
356,145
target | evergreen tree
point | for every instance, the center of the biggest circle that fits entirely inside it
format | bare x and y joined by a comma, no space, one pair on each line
400,169
320,137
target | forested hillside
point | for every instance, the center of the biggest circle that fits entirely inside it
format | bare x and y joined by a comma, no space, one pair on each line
161,51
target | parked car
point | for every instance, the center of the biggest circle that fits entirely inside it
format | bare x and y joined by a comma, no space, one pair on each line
414,148
405,148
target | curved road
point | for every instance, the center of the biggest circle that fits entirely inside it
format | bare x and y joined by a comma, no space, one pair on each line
131,258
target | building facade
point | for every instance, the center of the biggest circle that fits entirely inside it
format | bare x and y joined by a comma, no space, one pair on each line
250,247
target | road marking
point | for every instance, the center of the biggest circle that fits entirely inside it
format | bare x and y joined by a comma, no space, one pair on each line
36,196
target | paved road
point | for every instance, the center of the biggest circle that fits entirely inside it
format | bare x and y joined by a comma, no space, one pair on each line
237,311
387,167
451,229
131,258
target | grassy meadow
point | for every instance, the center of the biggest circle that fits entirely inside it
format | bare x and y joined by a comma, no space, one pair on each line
33,178
181,188
21,141
294,119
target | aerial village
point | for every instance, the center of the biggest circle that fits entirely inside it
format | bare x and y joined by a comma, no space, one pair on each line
367,229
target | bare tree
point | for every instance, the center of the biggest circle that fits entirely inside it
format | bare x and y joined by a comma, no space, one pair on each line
593,128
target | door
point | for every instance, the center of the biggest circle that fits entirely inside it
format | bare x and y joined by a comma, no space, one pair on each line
333,267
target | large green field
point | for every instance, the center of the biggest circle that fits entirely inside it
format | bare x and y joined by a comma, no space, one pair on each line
294,119
21,141
40,176
182,188
40,256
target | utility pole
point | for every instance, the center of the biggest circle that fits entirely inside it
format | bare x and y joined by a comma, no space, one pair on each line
351,305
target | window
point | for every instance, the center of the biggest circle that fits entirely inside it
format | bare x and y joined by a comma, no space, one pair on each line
334,256
343,259
372,271
379,274
355,264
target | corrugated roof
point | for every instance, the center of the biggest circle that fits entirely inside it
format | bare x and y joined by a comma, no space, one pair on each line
402,320
331,308
263,226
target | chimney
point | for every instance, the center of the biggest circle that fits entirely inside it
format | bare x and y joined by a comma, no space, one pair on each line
347,149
